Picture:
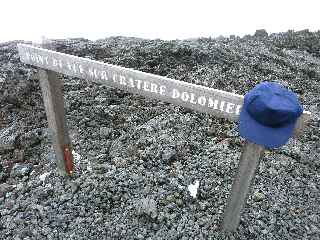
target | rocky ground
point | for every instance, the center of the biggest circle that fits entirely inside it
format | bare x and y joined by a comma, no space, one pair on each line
135,158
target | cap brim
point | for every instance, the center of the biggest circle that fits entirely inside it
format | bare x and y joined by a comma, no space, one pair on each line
268,137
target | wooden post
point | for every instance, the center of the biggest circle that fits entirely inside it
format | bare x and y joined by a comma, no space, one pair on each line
249,162
51,87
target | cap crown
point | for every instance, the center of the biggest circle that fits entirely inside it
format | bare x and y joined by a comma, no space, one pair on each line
272,105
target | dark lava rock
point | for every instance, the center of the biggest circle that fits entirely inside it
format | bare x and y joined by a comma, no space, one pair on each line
3,174
147,207
261,33
29,139
8,138
105,132
169,155
20,170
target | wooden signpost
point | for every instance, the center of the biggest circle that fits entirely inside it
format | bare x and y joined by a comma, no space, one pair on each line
203,99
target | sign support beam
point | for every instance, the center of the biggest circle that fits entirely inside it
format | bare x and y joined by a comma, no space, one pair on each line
249,162
51,87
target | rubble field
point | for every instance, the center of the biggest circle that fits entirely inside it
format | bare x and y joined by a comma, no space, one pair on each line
136,158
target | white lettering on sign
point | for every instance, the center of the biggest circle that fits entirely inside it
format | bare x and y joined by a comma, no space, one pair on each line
145,86
122,80
229,107
57,63
213,103
104,75
202,100
93,73
131,82
209,102
175,93
192,98
75,68
36,58
188,95
153,88
238,109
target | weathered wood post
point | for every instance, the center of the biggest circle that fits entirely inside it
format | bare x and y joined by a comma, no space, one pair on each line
249,162
52,94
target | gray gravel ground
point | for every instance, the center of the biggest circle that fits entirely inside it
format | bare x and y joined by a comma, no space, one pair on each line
135,158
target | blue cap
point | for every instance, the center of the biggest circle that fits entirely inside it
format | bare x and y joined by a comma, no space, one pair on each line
269,114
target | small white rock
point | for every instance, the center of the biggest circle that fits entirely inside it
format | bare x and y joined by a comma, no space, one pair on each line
43,176
89,167
193,189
